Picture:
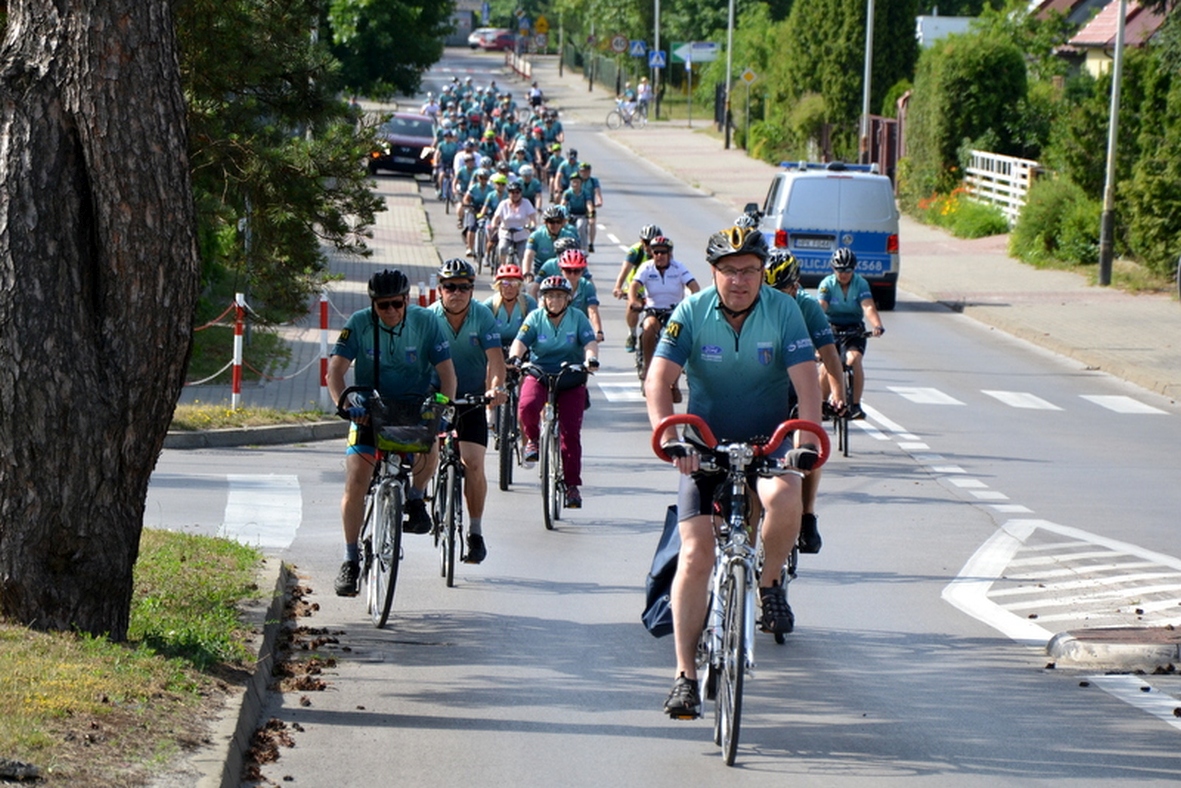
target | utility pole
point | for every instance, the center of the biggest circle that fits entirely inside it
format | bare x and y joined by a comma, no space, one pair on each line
729,71
656,71
864,158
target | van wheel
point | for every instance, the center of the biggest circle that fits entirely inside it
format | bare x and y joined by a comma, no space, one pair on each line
884,297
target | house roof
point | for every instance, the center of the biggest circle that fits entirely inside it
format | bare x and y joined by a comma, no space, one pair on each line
1140,25
1077,12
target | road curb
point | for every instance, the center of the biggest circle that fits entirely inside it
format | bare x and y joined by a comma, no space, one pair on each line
1117,648
258,436
220,764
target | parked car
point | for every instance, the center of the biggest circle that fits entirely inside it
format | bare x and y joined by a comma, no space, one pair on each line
407,144
813,208
492,38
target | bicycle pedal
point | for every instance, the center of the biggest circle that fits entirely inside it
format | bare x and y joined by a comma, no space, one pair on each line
684,716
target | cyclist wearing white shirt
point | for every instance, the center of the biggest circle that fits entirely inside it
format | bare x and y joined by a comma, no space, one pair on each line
518,217
658,286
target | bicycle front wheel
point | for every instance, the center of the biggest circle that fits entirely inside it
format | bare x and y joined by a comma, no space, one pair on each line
728,709
386,532
506,441
549,490
614,119
450,490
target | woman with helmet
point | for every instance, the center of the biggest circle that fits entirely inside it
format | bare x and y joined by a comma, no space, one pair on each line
470,329
846,298
583,295
555,335
550,267
658,286
470,206
498,193
636,255
509,304
513,220
741,347
397,346
540,246
531,188
783,274
594,197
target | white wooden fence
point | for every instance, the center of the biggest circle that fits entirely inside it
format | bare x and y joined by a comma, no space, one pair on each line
1002,181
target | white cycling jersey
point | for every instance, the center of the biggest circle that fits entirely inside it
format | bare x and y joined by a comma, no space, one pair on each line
663,290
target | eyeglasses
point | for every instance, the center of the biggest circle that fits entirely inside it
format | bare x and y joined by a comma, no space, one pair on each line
461,287
394,303
555,220
739,273
661,251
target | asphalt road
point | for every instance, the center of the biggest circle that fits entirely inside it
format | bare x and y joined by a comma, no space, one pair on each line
992,489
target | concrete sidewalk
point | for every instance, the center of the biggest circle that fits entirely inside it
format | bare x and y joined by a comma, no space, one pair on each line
1134,337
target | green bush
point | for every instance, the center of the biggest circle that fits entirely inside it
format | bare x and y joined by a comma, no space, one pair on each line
962,216
1059,222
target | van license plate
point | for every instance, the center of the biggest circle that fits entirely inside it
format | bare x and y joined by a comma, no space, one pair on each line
813,243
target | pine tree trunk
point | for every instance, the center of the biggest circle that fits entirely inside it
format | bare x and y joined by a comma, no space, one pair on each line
98,279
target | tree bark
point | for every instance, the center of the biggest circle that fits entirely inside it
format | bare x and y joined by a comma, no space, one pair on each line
98,280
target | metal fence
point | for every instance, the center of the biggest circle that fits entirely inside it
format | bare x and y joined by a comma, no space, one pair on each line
999,180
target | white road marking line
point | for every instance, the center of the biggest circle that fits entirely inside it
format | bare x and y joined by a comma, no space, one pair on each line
913,446
947,469
924,396
968,483
1057,559
613,239
1138,693
871,430
1011,508
1120,404
892,426
621,392
1021,399
263,510
989,495
1070,584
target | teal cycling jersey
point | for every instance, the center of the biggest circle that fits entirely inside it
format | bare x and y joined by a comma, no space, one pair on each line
447,151
738,380
550,346
585,296
818,326
469,345
530,190
478,193
464,176
576,203
844,306
408,352
491,201
509,323
542,243
550,268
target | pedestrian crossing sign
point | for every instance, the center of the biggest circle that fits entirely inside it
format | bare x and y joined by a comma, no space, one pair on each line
656,59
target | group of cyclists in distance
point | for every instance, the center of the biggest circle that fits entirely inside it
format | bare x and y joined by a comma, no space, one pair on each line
753,347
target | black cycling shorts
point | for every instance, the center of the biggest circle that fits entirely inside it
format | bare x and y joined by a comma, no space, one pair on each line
471,424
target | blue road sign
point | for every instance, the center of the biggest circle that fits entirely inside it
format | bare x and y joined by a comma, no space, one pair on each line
656,59
638,48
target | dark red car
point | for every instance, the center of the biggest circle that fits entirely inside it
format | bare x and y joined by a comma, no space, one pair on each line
407,144
497,40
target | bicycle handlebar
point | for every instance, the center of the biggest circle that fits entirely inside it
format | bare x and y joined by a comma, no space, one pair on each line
761,450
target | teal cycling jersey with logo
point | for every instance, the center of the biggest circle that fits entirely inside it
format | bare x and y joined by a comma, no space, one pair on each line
844,307
469,345
508,324
542,243
586,296
576,203
818,326
738,381
409,352
551,345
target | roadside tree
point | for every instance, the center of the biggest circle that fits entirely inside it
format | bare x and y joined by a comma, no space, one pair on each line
99,272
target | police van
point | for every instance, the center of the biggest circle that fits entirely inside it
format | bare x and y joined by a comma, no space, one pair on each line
814,208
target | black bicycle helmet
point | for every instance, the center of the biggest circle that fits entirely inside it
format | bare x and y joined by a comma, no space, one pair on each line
735,240
843,259
650,231
456,268
553,213
565,243
556,283
387,283
783,269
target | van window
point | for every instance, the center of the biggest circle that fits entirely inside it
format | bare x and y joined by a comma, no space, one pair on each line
771,205
813,201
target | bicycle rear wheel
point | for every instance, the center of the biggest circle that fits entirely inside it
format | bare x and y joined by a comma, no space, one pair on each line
549,491
732,673
450,491
386,532
558,484
843,437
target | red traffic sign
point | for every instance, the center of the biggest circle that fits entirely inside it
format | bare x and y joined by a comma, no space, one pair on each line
619,43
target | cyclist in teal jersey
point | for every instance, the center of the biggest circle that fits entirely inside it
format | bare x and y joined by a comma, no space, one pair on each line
445,158
531,188
396,346
552,128
473,202
553,335
741,346
847,299
783,274
594,195
464,175
509,304
535,145
550,267
583,295
489,146
470,328
552,163
636,256
540,246
566,168
491,202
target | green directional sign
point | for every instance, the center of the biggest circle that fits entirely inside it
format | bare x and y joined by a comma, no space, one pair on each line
694,51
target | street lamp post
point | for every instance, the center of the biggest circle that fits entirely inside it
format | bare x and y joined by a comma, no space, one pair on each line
1107,219
729,70
656,71
864,157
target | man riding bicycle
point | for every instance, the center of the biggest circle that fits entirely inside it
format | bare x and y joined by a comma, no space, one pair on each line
636,255
470,329
846,298
741,346
397,346
658,286
540,246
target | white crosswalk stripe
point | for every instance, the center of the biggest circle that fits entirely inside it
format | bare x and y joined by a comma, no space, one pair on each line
1121,404
924,396
1021,399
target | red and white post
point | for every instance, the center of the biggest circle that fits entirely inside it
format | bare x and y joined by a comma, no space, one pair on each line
239,324
325,405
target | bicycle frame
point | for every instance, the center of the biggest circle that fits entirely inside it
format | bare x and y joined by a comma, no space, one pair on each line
553,484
